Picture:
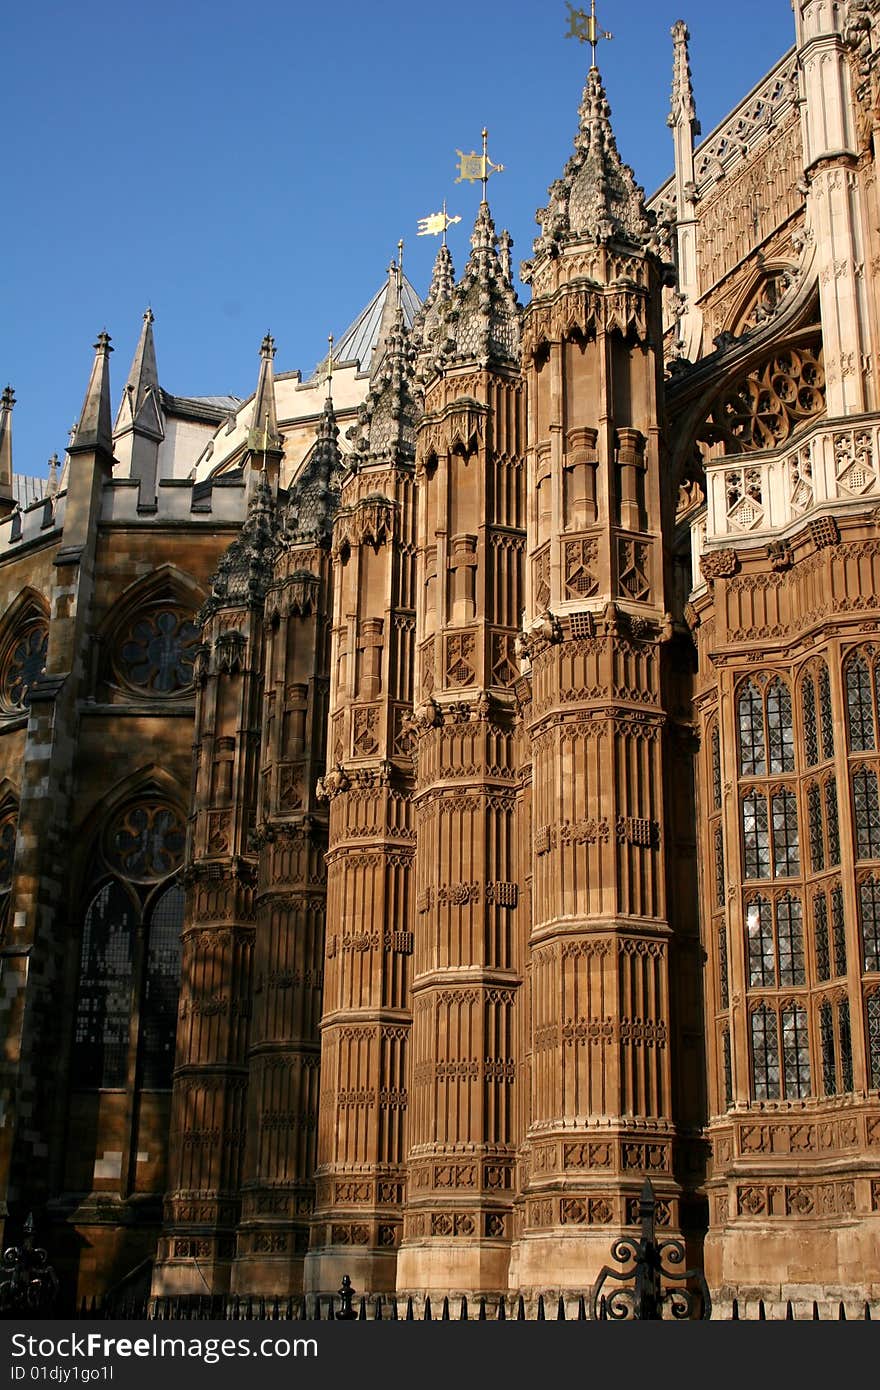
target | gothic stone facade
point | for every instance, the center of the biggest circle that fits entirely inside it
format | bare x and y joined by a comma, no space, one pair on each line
427,811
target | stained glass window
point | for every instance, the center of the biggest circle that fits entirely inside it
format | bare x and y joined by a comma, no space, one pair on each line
722,966
829,1061
105,983
146,841
719,867
872,1011
761,952
795,1052
790,932
756,836
780,727
859,706
156,655
161,987
826,713
811,730
752,753
25,660
845,1035
869,910
831,820
814,816
786,853
839,930
820,937
765,1054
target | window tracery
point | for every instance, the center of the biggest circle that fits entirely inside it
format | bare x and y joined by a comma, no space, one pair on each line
129,963
820,937
767,404
154,653
766,728
872,1016
859,706
22,662
838,930
866,812
728,1068
775,939
780,1038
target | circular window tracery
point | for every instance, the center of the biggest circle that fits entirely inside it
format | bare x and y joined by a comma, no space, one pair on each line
23,661
146,841
156,652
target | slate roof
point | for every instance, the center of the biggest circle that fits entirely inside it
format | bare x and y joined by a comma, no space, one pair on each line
27,490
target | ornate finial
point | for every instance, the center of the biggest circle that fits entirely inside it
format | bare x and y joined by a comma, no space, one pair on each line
149,316
473,167
103,343
436,222
52,486
330,366
585,28
7,400
682,85
267,346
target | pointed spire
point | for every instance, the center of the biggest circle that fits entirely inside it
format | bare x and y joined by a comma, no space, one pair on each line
52,484
597,199
426,322
482,321
390,306
245,571
93,430
142,387
264,423
7,496
386,421
683,106
314,496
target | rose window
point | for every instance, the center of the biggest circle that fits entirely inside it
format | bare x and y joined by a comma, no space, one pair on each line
157,653
25,661
147,841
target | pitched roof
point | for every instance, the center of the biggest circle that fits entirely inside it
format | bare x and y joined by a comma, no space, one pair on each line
27,490
359,339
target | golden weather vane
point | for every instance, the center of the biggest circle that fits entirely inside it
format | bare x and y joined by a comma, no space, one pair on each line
436,222
473,166
585,27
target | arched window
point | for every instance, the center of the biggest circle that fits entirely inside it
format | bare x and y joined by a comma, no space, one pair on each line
820,937
780,728
836,1045
752,748
869,913
817,837
838,929
719,867
155,653
844,1037
22,660
103,1015
765,1054
756,836
786,852
829,1052
872,1017
8,824
826,715
859,706
775,939
715,745
831,820
723,982
866,813
795,1052
811,727
129,974
728,1068
818,720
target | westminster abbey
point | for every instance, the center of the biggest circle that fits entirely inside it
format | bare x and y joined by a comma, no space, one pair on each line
440,791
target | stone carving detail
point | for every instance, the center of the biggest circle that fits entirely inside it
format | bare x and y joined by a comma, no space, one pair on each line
800,480
719,564
459,659
854,463
365,725
743,487
633,561
581,558
541,580
824,532
763,408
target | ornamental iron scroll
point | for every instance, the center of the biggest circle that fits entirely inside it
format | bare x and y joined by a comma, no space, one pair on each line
648,1264
28,1283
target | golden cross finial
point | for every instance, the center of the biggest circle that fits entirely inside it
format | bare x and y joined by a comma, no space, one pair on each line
473,166
436,222
330,365
585,28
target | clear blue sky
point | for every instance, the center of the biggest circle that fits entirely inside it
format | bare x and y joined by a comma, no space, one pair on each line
251,167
